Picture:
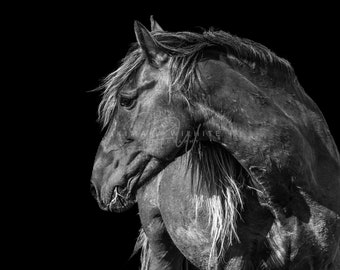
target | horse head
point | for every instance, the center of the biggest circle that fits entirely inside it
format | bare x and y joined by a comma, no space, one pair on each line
145,126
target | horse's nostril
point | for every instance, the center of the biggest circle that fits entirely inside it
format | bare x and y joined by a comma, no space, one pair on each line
93,190
95,194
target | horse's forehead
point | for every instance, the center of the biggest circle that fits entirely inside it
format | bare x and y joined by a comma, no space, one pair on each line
148,73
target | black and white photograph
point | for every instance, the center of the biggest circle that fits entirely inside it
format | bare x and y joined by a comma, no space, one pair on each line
171,138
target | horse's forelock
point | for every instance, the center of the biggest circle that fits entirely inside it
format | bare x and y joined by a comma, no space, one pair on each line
115,81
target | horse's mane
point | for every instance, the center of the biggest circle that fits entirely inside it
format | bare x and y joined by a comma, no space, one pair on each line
217,184
186,49
217,179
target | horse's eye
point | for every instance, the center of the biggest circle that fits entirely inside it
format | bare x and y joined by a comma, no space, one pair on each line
127,102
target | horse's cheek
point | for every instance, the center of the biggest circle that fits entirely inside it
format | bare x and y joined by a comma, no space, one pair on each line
163,132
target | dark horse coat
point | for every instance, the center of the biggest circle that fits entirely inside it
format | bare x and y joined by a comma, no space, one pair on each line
231,163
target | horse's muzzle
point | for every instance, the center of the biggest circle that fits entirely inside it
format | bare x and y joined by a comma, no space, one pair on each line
121,188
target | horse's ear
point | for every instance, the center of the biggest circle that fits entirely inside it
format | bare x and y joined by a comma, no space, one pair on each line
155,26
152,50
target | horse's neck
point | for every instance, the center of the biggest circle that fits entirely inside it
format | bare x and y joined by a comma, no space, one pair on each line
285,93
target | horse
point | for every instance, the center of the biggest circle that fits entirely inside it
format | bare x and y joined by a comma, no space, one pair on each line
231,163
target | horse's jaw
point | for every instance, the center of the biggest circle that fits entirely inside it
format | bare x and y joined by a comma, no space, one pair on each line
141,170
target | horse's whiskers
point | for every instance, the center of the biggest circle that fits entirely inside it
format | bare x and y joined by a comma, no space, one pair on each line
116,196
114,199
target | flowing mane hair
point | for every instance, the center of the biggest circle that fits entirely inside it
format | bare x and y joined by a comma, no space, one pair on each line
185,50
217,181
217,178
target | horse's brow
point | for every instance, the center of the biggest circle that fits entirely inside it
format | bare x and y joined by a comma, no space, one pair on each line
138,90
146,86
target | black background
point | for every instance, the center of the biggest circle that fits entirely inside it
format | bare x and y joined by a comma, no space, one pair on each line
70,49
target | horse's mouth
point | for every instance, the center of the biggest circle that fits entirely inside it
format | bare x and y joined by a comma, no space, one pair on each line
123,198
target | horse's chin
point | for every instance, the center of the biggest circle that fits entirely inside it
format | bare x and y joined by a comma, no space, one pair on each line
121,200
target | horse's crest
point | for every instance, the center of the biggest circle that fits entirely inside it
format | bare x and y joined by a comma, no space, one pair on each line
231,163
